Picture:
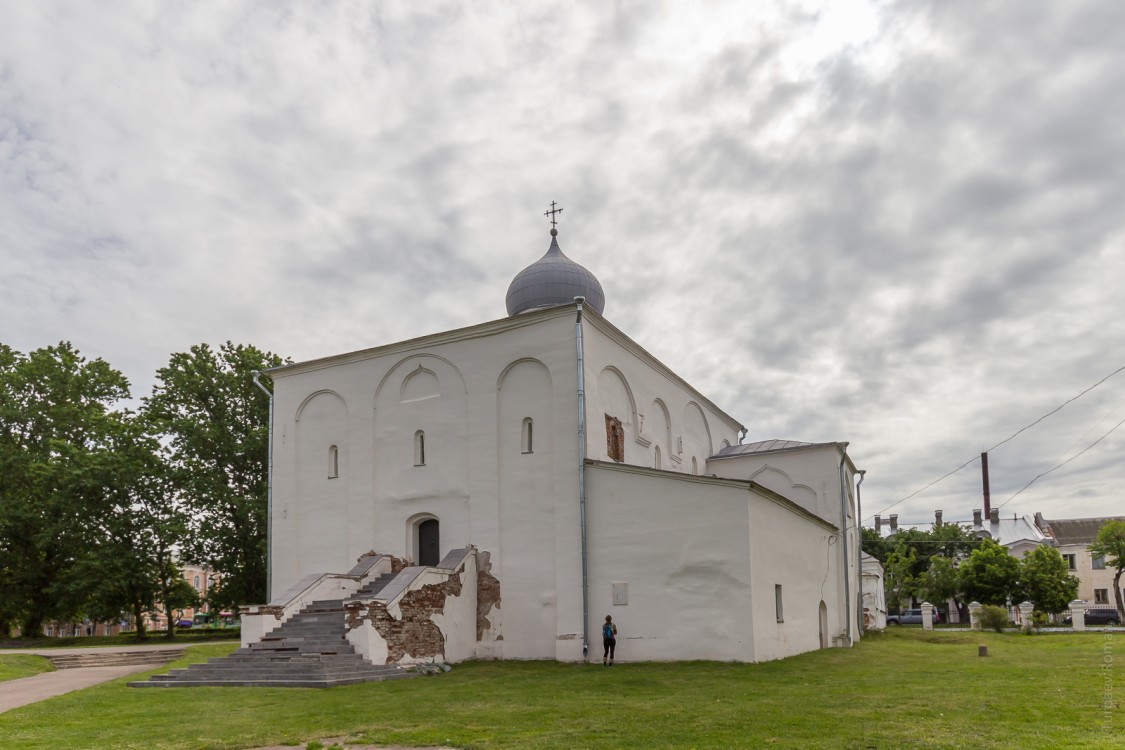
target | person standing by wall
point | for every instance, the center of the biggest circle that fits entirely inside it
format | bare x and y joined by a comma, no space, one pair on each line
609,641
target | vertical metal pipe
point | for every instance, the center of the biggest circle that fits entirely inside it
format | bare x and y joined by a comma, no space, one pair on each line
582,478
844,538
269,493
859,551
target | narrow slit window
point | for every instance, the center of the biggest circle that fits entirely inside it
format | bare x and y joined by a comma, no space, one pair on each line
656,460
694,466
333,462
777,602
527,436
419,448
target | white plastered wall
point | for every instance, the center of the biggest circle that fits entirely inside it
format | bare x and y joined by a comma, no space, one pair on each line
469,391
680,548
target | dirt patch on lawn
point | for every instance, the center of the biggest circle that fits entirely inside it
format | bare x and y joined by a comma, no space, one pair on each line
344,743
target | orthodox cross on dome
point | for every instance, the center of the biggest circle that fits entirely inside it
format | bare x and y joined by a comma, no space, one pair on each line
551,214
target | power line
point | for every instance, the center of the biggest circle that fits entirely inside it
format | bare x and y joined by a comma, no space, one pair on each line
1064,463
1005,440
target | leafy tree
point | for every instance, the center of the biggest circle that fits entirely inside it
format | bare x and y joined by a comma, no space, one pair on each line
874,544
899,582
942,582
1110,545
990,575
176,595
216,425
57,434
134,539
1044,580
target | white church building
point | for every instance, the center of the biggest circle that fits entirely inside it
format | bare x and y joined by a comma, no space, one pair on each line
495,491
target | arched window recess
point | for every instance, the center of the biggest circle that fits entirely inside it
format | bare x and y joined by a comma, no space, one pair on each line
527,444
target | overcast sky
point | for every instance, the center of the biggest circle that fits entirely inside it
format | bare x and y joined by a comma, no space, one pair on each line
896,224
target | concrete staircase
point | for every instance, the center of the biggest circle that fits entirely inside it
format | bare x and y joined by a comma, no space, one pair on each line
154,657
308,650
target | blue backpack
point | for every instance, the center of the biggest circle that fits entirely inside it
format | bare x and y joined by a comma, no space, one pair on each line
607,630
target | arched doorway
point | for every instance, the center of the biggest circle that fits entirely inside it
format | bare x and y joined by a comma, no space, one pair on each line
823,625
429,542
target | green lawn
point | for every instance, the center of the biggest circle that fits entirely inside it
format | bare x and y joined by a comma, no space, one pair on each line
15,666
906,688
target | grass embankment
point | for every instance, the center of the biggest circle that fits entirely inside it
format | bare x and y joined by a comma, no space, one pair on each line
902,689
15,666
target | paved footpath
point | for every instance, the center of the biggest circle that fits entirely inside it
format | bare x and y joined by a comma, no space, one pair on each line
16,693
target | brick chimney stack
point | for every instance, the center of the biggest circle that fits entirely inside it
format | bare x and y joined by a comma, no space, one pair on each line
878,524
976,517
894,522
937,518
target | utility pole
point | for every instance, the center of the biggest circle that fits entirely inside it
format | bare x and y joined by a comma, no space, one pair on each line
984,479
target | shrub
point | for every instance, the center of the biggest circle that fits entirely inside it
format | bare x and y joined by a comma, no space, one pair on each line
994,618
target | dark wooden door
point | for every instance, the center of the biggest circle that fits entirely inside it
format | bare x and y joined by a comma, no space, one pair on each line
429,545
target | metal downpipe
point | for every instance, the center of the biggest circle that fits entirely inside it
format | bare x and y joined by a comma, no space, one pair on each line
269,492
582,479
844,538
859,553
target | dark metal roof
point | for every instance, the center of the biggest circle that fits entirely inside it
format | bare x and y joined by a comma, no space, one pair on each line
762,446
1077,530
553,280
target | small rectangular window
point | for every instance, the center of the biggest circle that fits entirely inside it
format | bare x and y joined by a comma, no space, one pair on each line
1098,563
777,602
1101,596
1071,562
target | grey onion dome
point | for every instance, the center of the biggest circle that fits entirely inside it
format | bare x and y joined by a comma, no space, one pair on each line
553,280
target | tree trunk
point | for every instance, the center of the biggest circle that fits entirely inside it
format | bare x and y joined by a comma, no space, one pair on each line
32,626
138,618
1117,595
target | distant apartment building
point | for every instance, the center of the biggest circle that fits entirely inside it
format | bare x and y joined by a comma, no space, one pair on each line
1073,537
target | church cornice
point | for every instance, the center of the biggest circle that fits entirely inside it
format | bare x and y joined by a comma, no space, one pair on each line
621,339
422,343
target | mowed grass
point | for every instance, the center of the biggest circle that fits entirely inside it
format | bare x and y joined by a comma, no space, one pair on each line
901,689
15,666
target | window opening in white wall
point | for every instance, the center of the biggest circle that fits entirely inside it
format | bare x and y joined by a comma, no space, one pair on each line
526,437
1101,596
1071,562
777,602
333,462
656,461
419,448
1098,563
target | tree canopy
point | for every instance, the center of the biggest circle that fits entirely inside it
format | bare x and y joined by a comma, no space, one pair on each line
216,424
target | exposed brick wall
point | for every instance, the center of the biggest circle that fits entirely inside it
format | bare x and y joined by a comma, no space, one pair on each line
488,596
615,438
414,634
397,563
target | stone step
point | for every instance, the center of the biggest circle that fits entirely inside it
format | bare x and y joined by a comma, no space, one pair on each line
113,659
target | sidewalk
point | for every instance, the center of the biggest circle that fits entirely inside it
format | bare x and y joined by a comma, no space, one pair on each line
21,692
16,693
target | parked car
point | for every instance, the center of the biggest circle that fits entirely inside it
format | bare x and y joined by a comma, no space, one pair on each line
911,617
1098,616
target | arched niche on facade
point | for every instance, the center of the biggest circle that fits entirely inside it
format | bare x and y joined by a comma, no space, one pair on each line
696,431
615,400
780,482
